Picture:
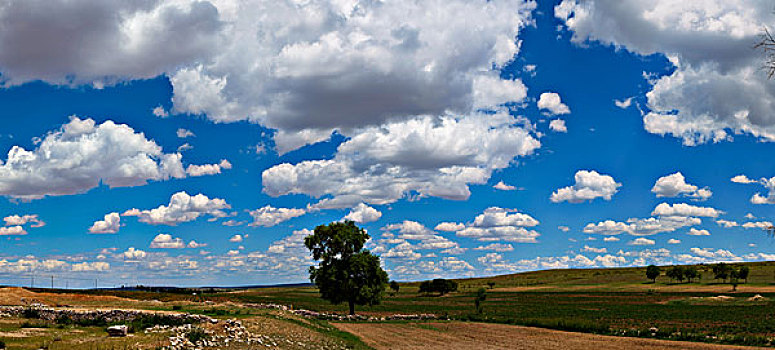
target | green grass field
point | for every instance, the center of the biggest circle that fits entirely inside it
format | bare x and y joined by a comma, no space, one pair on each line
607,301
618,301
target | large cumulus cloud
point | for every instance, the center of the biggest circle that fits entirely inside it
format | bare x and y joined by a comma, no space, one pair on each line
303,68
717,88
83,154
427,156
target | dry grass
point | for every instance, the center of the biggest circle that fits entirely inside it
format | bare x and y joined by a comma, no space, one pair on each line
469,335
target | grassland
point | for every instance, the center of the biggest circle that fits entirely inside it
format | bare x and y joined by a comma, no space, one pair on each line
605,301
617,301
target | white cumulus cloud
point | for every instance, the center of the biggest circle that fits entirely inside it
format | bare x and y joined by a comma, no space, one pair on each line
717,88
551,102
428,156
674,185
363,213
110,224
558,125
589,185
165,241
269,216
181,208
83,154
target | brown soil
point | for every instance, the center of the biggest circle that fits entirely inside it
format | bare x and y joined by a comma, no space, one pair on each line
468,335
21,296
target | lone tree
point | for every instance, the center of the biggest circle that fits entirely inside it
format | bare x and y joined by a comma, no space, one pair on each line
347,272
652,272
394,286
481,295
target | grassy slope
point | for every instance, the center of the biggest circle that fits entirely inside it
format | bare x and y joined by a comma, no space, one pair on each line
617,301
610,301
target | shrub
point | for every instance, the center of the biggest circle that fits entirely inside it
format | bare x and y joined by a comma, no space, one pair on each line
31,312
196,335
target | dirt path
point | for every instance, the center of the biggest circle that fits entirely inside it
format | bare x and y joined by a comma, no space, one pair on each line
465,335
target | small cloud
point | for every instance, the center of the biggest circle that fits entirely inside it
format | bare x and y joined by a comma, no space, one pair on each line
184,133
449,227
558,125
749,216
588,249
623,104
195,244
610,239
185,147
695,232
160,112
504,187
673,241
551,102
563,228
207,169
589,185
363,213
111,223
642,241
165,241
236,239
742,179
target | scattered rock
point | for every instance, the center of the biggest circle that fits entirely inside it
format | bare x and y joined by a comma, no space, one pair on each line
757,297
118,331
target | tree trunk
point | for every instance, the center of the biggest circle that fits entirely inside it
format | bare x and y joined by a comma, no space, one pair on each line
352,307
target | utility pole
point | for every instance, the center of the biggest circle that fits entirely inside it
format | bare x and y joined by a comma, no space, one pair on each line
52,281
95,283
67,284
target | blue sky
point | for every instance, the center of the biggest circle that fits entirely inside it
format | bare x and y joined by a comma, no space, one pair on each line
197,144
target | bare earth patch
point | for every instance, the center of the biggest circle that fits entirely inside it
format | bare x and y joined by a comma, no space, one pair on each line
470,335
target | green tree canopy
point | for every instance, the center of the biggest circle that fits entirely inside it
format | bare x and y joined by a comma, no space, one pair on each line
721,271
346,272
394,286
652,272
690,272
439,285
676,272
743,272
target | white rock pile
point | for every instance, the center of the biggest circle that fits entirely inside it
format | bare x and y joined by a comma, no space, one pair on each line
338,317
227,333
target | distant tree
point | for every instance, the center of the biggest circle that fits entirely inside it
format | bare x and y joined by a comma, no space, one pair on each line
652,272
443,286
734,278
742,273
347,272
491,284
481,295
676,273
690,272
439,285
721,271
426,287
394,286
